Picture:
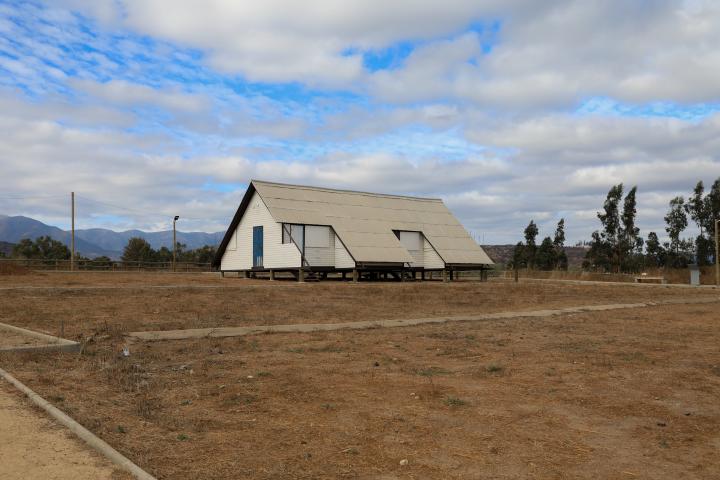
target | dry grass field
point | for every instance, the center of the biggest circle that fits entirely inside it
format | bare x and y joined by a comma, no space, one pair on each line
85,305
621,395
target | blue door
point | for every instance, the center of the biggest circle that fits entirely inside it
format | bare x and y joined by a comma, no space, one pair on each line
257,247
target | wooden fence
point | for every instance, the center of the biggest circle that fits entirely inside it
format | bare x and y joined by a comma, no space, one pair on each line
105,266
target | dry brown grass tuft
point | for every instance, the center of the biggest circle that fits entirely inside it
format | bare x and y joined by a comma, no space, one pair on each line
12,269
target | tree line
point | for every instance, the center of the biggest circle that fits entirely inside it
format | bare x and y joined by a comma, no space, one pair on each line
618,246
550,255
139,250
136,250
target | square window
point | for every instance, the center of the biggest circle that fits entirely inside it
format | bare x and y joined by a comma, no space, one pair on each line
293,233
317,236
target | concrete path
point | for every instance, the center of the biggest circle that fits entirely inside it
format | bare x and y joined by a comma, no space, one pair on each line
16,339
317,327
33,447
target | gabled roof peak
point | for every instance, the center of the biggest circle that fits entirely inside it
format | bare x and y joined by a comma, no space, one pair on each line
339,190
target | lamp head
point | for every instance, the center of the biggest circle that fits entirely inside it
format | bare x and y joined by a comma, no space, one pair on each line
177,217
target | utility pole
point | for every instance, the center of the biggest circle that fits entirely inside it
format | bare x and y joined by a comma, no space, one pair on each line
72,231
717,252
177,217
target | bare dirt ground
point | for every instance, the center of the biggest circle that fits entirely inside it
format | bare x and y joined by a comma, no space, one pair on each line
33,448
620,395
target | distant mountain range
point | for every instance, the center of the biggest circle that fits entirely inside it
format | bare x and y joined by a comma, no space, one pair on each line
94,242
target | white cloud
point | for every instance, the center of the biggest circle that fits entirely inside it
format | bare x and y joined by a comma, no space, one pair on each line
123,93
554,165
658,175
493,132
287,41
550,54
602,140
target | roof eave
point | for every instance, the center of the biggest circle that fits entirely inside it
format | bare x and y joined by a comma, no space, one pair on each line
233,225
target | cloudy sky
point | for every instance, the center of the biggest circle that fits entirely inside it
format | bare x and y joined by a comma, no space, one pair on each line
508,110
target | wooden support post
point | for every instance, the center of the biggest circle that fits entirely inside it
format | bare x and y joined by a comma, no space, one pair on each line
301,275
445,275
247,274
356,275
344,275
422,275
452,275
272,275
517,276
222,274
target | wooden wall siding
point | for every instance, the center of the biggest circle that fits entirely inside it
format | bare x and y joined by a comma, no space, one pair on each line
319,246
232,244
431,257
276,254
342,257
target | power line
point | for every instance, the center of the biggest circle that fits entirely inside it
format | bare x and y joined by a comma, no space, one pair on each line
136,212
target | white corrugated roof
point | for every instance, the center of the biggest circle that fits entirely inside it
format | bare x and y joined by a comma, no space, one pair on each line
365,221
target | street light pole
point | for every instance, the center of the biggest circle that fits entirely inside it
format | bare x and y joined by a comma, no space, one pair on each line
174,242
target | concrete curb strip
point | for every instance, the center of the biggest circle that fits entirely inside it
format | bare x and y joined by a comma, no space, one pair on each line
317,327
88,437
53,343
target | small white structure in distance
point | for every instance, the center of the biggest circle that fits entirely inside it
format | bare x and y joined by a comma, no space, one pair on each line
301,229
